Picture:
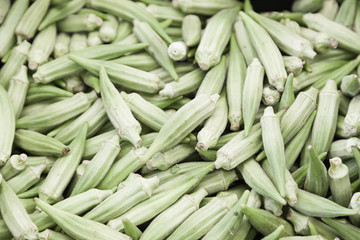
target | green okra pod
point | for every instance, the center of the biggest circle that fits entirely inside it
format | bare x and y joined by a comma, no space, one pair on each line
5,6
166,222
329,9
61,11
142,61
204,7
346,231
78,41
272,206
275,235
288,96
300,175
265,47
352,117
355,204
165,12
124,30
108,29
7,28
78,227
58,112
322,41
98,166
13,166
313,205
79,172
33,191
342,148
270,96
131,230
132,191
350,85
118,111
185,120
316,179
293,64
31,19
244,41
200,222
39,144
92,145
339,182
93,39
53,235
37,93
62,171
26,179
61,46
90,80
344,104
36,161
215,38
346,14
306,5
18,89
79,23
180,68
177,51
191,30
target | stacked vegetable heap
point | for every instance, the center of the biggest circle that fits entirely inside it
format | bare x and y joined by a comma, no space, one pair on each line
190,119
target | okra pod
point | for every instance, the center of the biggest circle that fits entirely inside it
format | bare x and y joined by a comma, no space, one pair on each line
244,41
37,93
80,22
177,51
33,191
108,29
350,85
53,235
26,179
165,12
78,41
124,30
215,38
352,118
342,148
191,30
142,61
355,204
329,9
4,9
346,14
204,7
93,39
346,231
18,88
13,166
270,96
272,206
61,46
306,5
36,161
293,64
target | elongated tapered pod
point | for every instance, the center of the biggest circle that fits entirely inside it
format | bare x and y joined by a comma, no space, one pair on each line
346,37
342,148
183,122
61,46
53,235
80,23
265,222
26,179
268,53
352,117
118,111
316,179
339,182
313,205
63,66
63,169
355,204
78,227
191,30
252,92
157,47
345,230
4,10
58,112
324,127
7,126
132,191
350,85
31,19
215,38
7,28
244,41
18,88
205,7
98,166
13,166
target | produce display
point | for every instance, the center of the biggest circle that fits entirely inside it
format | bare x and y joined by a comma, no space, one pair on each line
179,120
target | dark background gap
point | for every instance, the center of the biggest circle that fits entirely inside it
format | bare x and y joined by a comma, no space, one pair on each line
271,5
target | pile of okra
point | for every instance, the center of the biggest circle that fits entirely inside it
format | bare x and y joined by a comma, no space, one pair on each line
179,120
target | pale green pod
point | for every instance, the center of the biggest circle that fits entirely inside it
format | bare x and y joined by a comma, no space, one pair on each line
265,222
252,92
109,29
356,26
268,53
33,191
177,51
52,235
322,41
172,217
13,166
217,181
7,129
93,39
132,191
146,112
275,235
147,140
61,46
98,166
165,12
119,171
293,64
16,59
183,122
124,30
306,5
346,231
39,144
142,61
346,14
344,104
78,227
165,159
4,9
78,41
350,85
343,148
63,66
74,84
204,7
215,38
95,116
201,222
79,172
40,92
329,9
7,28
31,19
235,82
123,75
64,168
78,204
58,112
191,30
288,96
79,23
209,135
316,179
342,130
339,182
300,174
313,205
257,179
347,38
36,161
26,179
273,206
151,207
157,47
180,68
352,118
287,40
18,88
118,111
300,222
131,229
274,147
292,25
244,41
270,96
92,145
324,127
90,80
355,204
186,84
